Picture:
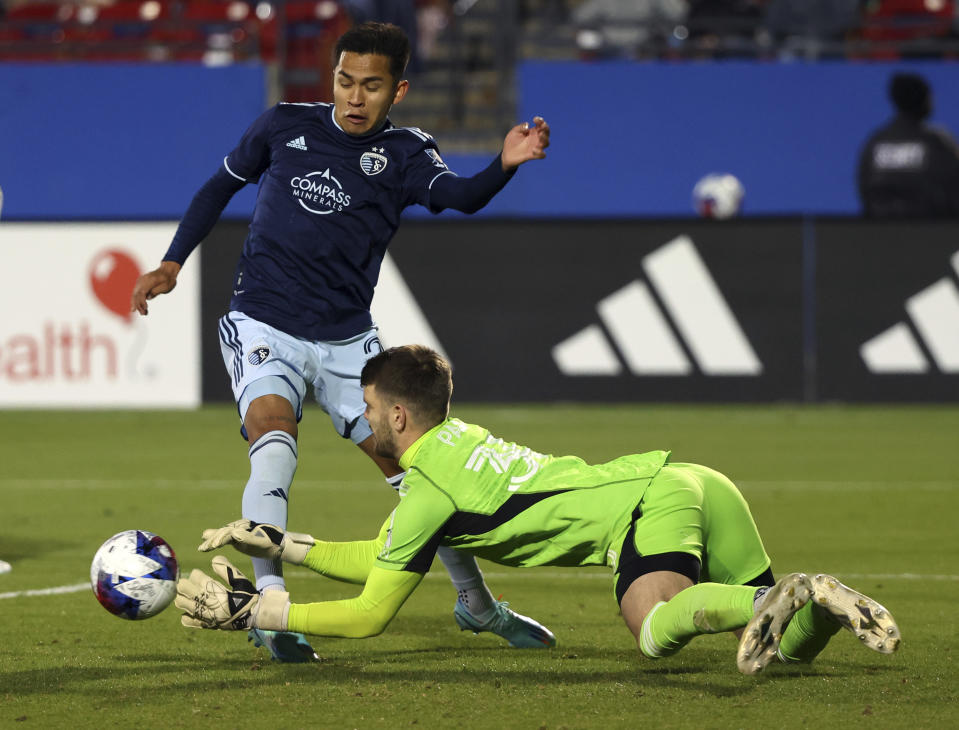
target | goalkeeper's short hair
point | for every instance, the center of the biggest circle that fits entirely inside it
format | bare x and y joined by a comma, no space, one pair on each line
414,375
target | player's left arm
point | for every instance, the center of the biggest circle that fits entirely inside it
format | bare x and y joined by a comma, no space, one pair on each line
366,615
523,143
349,562
406,546
235,605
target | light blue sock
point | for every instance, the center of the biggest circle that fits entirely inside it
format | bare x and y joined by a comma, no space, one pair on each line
267,493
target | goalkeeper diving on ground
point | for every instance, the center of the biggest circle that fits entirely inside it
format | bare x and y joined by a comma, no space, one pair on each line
686,554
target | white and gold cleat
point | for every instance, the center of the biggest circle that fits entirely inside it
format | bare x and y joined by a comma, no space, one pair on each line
869,620
761,637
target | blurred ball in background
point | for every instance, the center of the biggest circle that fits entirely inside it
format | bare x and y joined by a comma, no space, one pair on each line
718,195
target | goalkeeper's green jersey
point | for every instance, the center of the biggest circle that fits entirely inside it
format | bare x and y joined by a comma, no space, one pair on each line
511,505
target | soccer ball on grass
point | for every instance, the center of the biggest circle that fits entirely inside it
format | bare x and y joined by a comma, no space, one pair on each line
134,574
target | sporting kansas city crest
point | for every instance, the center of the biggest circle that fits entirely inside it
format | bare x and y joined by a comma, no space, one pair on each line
258,355
373,163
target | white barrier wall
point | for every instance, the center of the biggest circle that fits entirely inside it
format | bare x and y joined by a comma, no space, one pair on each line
67,337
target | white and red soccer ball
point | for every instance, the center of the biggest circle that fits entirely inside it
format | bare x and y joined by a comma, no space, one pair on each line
718,195
134,574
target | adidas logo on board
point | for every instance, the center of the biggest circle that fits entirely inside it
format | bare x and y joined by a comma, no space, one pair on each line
642,334
934,313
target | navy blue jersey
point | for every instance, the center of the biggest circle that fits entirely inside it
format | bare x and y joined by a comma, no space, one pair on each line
327,206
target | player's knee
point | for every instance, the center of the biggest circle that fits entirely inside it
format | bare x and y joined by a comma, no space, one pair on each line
270,412
270,403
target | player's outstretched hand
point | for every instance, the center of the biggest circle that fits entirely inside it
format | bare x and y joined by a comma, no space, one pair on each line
159,281
208,604
259,540
525,142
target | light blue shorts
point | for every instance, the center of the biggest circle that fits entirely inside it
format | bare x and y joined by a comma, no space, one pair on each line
262,360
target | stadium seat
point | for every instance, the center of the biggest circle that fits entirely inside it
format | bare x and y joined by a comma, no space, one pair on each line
891,23
40,12
212,11
311,32
309,11
123,21
131,12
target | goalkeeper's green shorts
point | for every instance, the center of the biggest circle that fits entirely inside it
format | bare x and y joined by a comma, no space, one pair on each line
694,511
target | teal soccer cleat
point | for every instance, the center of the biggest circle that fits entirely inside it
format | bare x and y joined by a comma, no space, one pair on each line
520,631
284,646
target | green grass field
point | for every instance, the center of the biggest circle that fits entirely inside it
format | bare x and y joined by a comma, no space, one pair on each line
870,494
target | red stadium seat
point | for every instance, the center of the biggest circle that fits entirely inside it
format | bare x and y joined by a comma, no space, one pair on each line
9,33
311,32
40,11
128,11
217,11
891,22
303,11
83,33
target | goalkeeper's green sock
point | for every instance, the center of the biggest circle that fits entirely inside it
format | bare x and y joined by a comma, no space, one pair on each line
807,634
706,608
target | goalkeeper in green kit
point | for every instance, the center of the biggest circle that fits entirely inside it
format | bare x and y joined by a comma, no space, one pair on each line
686,555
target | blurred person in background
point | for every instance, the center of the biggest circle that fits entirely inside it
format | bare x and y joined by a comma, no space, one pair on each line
724,28
908,168
626,28
807,27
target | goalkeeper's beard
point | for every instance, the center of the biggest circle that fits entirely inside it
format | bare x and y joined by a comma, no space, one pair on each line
384,443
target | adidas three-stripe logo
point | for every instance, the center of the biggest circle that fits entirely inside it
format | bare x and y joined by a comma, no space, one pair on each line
934,313
642,333
299,143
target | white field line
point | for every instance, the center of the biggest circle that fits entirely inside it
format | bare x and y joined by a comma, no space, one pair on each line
58,590
525,575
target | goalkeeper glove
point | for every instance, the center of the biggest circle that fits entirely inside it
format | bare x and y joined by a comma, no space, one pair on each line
237,606
259,541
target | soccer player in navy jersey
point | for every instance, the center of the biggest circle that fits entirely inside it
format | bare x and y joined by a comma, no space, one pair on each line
333,180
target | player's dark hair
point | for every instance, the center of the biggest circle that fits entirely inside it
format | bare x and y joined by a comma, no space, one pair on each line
910,93
380,39
415,376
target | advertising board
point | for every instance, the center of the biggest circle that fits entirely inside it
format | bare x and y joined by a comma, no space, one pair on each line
67,336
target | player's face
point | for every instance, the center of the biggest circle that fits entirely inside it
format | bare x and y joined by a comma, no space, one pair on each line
377,413
363,92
